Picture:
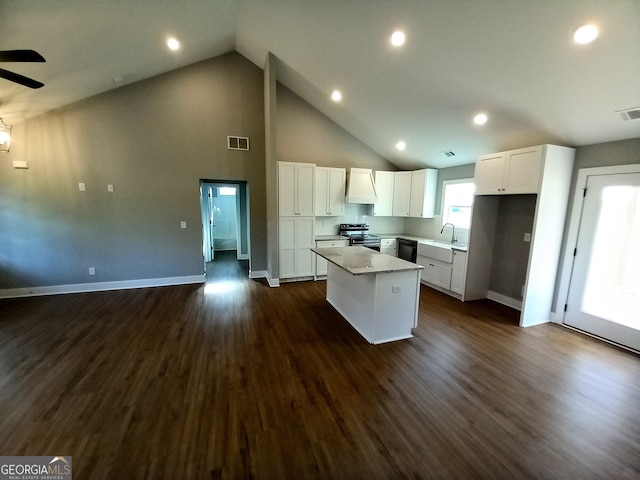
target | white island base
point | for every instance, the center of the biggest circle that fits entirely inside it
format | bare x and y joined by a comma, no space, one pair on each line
381,304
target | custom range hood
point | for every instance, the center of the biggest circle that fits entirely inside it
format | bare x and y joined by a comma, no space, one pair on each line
361,188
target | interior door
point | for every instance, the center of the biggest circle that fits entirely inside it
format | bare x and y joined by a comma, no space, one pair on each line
604,293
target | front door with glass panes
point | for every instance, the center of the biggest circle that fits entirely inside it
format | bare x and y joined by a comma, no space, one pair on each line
604,294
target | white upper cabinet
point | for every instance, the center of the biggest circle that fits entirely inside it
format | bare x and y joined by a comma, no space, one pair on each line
401,194
507,173
423,193
296,189
384,187
414,193
330,191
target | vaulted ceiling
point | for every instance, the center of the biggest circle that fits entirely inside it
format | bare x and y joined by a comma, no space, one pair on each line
514,60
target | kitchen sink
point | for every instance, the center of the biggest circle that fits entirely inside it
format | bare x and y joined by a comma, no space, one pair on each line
435,250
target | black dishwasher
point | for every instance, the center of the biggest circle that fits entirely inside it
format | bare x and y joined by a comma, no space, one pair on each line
407,249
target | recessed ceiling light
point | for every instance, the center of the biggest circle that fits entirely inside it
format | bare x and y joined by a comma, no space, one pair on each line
480,119
398,38
173,44
585,34
336,96
401,145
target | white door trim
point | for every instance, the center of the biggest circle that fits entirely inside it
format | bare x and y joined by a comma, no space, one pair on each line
574,226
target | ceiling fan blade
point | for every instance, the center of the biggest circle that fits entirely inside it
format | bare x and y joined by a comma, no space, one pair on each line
21,79
21,56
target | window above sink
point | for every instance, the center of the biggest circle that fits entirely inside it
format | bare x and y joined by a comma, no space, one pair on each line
457,200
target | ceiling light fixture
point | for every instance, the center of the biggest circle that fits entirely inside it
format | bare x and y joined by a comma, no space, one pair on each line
480,119
173,44
5,136
585,34
336,96
401,145
398,38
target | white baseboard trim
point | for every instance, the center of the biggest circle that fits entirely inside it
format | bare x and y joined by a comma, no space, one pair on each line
273,282
99,286
257,274
504,300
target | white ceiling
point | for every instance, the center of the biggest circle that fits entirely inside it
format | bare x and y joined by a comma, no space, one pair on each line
514,60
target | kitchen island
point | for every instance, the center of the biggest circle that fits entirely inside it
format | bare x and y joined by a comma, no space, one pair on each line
376,293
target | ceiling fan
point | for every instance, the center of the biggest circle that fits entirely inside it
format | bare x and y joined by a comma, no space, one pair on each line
20,56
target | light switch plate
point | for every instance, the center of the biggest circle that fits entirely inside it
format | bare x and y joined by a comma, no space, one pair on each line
20,164
183,224
82,187
527,237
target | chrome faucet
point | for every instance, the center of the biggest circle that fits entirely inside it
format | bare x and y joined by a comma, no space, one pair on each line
453,232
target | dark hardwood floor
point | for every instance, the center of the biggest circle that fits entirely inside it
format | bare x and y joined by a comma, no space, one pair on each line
239,380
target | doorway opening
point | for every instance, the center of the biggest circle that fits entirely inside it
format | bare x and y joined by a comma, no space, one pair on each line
224,210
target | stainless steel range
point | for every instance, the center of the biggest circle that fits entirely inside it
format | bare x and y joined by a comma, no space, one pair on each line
358,234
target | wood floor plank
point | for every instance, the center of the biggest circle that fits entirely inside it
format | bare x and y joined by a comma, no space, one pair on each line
239,380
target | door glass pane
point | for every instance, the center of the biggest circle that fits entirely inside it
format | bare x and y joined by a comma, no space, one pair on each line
612,289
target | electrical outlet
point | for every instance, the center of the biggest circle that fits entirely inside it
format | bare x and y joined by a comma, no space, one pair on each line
183,224
527,237
82,187
396,289
92,271
109,188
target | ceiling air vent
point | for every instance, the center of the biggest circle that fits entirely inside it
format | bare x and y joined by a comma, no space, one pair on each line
631,114
237,143
448,153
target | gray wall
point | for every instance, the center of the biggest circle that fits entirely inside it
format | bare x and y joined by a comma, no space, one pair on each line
622,152
153,140
510,251
306,135
452,173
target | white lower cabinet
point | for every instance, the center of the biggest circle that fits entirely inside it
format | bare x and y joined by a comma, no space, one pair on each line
458,271
435,272
389,246
321,263
448,277
296,241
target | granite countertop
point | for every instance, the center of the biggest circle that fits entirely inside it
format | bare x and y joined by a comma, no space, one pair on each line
363,261
453,246
331,237
402,235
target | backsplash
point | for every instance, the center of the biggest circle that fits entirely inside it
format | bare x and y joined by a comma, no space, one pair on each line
355,213
419,227
430,228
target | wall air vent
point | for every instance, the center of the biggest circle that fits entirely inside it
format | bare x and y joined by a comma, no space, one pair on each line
630,114
237,143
